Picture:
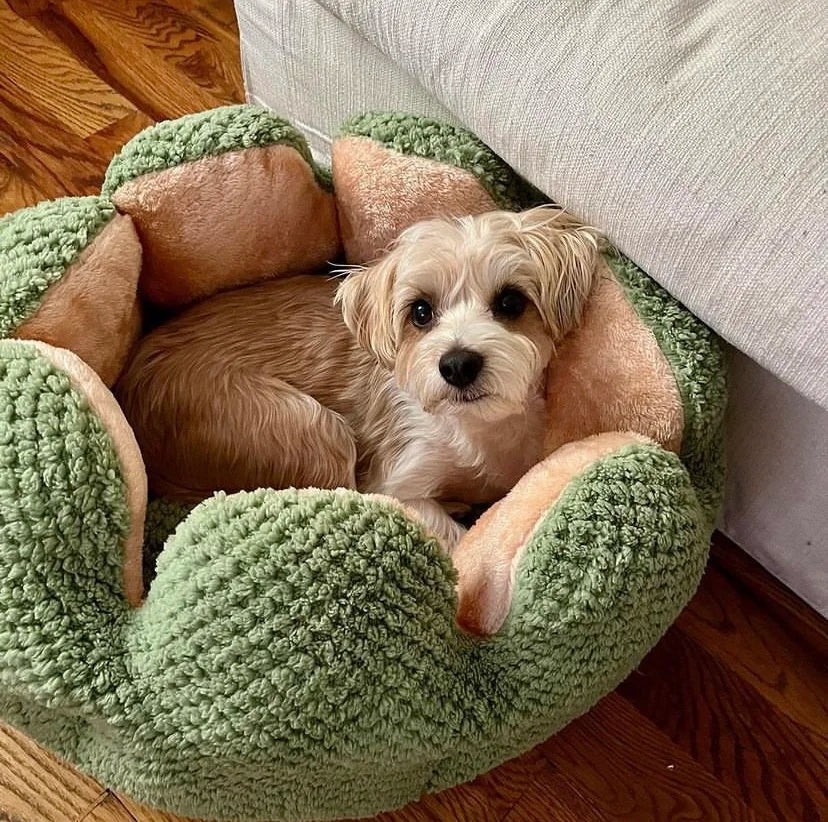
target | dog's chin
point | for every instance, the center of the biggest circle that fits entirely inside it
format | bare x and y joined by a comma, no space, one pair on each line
473,404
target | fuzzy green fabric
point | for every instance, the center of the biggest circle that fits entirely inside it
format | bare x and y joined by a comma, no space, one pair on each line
205,134
697,360
62,518
37,245
297,656
163,516
433,140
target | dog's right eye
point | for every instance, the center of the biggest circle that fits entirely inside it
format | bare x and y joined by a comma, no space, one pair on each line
509,304
421,313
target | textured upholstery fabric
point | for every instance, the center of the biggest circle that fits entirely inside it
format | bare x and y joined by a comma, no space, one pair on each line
777,476
301,58
694,134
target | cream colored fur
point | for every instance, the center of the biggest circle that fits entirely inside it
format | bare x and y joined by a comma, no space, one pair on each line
275,385
609,374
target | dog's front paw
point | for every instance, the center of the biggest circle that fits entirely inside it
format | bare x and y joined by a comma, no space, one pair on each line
453,534
438,522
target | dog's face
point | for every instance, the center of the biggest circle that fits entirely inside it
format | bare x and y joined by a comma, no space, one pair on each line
466,311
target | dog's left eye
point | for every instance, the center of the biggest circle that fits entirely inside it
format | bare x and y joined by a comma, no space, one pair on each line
421,313
509,303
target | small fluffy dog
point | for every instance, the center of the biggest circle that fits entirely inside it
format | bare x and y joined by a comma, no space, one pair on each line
420,377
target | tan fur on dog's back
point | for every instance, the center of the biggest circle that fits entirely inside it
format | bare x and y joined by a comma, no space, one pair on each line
235,393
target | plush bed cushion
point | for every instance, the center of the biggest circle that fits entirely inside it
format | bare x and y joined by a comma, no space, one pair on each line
693,133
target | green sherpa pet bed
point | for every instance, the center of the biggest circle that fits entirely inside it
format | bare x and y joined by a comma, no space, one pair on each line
297,654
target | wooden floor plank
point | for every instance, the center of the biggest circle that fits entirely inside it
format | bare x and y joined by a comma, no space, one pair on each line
218,16
489,798
465,803
748,639
508,783
109,809
774,764
107,142
53,161
36,787
46,78
23,180
632,771
552,798
748,576
48,17
162,59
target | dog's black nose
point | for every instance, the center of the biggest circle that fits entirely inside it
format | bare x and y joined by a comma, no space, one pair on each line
460,366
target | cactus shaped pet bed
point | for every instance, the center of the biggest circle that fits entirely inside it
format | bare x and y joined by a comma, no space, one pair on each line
295,655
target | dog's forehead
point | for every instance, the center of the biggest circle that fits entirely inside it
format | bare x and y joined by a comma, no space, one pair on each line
454,265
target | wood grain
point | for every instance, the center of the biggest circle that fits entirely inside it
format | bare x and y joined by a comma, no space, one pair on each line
107,142
749,640
727,719
61,85
166,61
632,771
54,161
36,787
508,783
23,180
722,722
551,796
747,575
108,809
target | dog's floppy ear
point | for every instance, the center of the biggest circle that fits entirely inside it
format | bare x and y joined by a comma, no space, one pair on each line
566,253
366,300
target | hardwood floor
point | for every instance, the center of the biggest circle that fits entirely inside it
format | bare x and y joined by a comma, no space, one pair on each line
726,719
